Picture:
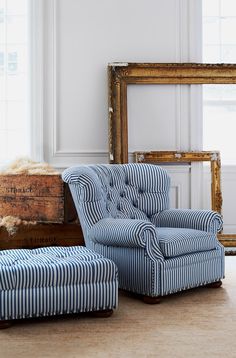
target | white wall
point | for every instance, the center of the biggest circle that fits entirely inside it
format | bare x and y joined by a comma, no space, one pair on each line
81,38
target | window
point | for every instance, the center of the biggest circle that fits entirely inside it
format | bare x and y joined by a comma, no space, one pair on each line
219,101
15,77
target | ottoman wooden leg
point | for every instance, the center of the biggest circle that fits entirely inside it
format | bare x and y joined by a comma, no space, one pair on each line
5,324
151,300
102,314
216,284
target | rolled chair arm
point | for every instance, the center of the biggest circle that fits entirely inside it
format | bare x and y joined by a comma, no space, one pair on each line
127,233
205,220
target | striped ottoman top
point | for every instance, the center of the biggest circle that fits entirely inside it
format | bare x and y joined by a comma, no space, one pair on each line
53,266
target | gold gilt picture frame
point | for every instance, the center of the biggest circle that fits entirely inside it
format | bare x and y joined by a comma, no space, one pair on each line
120,75
188,157
170,157
158,157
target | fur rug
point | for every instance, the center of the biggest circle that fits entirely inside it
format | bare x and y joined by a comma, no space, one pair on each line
29,167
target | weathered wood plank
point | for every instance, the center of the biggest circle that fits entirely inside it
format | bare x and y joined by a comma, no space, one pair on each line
31,185
40,235
37,208
43,198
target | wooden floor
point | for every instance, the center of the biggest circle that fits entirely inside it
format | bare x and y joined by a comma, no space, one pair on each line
197,323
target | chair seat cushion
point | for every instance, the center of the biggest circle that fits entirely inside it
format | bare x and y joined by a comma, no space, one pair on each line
53,266
176,241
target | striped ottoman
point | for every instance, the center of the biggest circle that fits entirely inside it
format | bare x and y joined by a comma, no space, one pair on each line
55,280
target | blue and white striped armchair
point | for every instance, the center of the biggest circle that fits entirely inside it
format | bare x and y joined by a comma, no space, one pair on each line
125,216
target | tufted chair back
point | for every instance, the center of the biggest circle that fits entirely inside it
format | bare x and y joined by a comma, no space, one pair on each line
134,191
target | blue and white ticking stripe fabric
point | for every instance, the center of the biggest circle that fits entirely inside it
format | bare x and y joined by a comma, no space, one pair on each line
127,233
55,280
206,220
193,270
118,191
175,242
137,271
125,216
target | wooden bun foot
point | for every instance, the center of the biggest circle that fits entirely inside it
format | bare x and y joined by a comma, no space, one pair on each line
5,324
102,314
216,284
151,300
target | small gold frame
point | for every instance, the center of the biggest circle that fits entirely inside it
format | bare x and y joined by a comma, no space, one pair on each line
187,157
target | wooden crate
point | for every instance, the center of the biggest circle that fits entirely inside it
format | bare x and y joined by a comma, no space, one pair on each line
40,235
41,198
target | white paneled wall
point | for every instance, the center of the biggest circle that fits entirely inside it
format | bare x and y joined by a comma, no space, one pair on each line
229,199
154,117
228,179
180,187
81,38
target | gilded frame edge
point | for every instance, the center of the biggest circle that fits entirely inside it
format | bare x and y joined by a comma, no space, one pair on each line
188,157
213,157
120,75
